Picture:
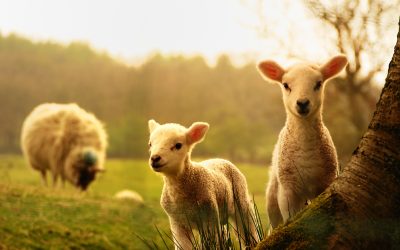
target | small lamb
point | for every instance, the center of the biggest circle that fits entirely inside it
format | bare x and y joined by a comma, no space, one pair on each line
195,192
304,161
65,140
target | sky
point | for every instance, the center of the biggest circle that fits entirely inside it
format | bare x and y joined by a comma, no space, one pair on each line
133,29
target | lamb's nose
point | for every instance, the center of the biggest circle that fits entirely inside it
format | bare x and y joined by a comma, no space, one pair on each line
155,158
303,103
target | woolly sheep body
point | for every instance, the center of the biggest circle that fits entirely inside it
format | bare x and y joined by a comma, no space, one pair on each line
304,161
131,195
55,137
194,190
188,190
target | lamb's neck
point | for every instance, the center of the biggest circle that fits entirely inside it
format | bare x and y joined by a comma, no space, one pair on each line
178,178
309,126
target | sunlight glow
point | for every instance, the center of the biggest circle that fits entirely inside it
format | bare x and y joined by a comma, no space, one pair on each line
133,29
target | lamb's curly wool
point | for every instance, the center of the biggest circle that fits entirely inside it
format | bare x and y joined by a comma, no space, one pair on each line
195,192
66,140
304,161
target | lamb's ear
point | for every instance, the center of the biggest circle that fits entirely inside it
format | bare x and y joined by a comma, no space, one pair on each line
271,70
196,132
333,66
152,125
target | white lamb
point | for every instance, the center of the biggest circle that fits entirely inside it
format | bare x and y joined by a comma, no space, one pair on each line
67,141
196,192
304,161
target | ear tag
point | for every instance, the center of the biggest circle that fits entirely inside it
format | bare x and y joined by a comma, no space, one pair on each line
89,158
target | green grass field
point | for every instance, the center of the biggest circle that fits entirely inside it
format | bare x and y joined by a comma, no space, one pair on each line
36,217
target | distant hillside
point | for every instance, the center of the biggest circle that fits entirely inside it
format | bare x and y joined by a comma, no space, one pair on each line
245,112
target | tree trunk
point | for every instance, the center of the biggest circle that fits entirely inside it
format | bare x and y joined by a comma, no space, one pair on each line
361,209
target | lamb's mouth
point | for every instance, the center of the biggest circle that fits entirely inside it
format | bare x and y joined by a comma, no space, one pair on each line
157,166
303,112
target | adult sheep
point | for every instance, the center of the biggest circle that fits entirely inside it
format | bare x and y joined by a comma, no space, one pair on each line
304,161
67,141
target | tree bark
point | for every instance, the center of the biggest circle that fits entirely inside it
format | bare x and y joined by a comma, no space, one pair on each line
361,209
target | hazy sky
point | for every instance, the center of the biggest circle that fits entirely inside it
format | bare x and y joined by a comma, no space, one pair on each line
134,28
131,29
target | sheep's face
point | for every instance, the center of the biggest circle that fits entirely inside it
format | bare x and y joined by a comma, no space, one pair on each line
303,84
302,89
170,145
81,167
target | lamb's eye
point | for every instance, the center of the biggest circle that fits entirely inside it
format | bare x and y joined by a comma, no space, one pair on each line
149,144
177,146
286,86
318,85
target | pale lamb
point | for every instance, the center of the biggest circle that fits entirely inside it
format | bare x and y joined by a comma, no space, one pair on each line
196,191
304,161
65,140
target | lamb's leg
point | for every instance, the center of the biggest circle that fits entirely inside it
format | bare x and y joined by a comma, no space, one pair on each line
244,216
212,219
182,236
244,221
289,202
274,213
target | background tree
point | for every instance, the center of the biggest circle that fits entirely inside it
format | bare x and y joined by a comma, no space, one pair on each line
169,89
361,28
360,210
245,113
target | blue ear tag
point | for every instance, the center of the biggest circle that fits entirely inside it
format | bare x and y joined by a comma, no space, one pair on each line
89,158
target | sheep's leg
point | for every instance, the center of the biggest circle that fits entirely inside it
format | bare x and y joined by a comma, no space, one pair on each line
55,180
44,177
274,213
182,236
63,182
289,203
43,172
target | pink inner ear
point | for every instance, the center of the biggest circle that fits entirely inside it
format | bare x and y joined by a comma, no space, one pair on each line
196,134
334,67
271,70
273,73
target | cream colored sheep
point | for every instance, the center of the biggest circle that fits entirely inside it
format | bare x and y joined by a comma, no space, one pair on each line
195,191
130,195
304,161
67,141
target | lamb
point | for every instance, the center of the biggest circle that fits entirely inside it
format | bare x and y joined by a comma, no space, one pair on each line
65,140
304,161
195,193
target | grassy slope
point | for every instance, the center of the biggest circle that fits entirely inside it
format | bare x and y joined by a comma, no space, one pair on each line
35,217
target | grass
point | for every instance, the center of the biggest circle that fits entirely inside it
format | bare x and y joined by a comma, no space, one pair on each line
36,217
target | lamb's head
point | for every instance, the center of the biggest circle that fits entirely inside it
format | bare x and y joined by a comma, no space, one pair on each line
170,145
303,84
82,165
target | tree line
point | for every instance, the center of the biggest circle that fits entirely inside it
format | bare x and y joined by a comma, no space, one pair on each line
245,113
